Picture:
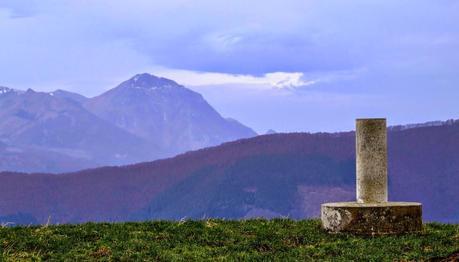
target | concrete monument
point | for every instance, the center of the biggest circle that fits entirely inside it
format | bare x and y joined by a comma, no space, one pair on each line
371,214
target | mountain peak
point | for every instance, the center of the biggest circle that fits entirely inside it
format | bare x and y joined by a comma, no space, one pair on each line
69,95
165,113
146,80
6,90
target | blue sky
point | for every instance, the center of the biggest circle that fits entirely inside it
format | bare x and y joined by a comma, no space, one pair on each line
292,65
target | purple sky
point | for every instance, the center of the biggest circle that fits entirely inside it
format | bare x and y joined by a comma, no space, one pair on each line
294,65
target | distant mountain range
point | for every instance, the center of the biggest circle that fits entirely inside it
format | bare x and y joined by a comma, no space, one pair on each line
142,119
270,176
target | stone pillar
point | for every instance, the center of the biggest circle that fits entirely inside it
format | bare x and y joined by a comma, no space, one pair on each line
371,213
371,160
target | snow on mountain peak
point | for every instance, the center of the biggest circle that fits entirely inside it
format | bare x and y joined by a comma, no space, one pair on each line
149,81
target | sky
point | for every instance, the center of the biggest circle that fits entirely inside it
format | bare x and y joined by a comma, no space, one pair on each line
290,65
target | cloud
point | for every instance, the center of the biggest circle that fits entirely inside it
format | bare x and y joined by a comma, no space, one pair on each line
222,43
280,80
234,37
289,80
19,9
399,50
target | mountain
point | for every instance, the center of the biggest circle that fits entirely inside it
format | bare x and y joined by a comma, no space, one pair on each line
80,99
5,91
53,131
142,119
165,113
37,160
270,175
427,124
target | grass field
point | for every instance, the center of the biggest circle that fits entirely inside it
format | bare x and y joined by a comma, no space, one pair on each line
279,240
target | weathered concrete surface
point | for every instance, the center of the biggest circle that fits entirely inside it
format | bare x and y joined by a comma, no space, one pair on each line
371,160
372,218
371,214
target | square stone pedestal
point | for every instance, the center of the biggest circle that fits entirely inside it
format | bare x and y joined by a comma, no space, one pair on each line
372,218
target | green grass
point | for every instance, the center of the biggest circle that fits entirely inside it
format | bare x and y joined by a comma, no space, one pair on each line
214,240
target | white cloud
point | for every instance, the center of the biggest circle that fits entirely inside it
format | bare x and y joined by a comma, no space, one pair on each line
280,80
288,80
222,42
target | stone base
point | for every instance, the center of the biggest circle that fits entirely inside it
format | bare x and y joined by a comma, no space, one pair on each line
372,219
